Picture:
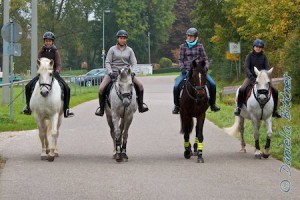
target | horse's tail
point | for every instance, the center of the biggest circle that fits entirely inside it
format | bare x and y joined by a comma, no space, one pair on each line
186,126
234,130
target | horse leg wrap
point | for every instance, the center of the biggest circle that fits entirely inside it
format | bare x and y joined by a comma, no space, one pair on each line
186,144
200,146
268,143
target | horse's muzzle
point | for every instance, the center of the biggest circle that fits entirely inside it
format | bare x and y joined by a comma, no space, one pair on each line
262,96
45,93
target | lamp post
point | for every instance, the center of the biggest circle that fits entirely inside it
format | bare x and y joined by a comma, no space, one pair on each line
103,47
149,47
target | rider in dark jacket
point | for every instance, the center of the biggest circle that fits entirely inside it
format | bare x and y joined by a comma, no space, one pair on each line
257,59
50,51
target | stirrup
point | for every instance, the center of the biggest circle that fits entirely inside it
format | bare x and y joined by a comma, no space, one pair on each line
276,115
27,111
68,114
237,111
214,108
176,110
99,112
143,108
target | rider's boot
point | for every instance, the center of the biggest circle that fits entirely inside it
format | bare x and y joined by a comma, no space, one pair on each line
176,97
141,105
212,99
237,111
214,108
239,104
275,96
67,113
100,109
27,110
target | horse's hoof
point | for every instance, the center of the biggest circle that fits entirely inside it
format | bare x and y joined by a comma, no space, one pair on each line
50,158
266,155
118,157
114,156
187,154
243,150
200,160
257,156
47,151
124,157
195,153
44,157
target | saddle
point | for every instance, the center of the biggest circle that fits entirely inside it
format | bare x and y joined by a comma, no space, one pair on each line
248,93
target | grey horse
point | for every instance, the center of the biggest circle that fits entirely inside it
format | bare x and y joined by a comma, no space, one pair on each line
119,111
259,107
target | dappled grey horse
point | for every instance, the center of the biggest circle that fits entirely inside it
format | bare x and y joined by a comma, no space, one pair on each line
119,111
258,107
47,106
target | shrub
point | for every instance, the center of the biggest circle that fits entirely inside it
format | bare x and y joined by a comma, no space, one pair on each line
165,62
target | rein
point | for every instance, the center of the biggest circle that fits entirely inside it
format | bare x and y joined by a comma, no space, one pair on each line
48,86
195,88
264,92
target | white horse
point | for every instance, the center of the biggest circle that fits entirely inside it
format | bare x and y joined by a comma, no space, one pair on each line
258,107
119,111
47,105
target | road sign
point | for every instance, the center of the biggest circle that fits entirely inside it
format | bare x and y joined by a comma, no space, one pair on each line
17,32
234,47
16,49
230,56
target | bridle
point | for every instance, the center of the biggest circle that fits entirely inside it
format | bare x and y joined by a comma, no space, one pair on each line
266,92
46,85
195,88
123,96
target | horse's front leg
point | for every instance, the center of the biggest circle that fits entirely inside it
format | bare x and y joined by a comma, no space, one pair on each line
256,126
125,126
118,138
54,135
112,132
43,137
199,135
266,153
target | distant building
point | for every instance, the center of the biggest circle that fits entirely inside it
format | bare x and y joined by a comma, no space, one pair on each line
143,69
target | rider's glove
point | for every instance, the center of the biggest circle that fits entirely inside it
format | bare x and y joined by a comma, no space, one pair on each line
184,72
112,76
55,73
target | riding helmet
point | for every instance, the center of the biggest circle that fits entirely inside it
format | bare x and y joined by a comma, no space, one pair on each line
258,43
49,35
122,33
192,31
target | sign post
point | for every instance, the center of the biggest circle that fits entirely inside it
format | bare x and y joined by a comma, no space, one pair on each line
235,49
11,32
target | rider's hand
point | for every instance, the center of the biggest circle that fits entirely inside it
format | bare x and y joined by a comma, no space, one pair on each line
112,76
55,73
184,72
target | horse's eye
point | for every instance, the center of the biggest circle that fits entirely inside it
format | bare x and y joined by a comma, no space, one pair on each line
51,74
256,82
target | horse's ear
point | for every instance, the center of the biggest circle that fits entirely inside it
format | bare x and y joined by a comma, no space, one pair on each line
270,71
38,63
256,71
52,63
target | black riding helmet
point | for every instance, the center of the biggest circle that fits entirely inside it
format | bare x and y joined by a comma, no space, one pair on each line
192,32
258,43
122,33
49,35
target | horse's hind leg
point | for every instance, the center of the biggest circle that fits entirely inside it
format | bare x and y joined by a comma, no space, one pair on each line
186,129
44,141
242,129
199,135
54,135
266,153
112,133
118,138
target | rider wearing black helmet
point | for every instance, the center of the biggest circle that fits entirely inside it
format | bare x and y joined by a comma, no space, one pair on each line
120,56
50,51
189,51
257,59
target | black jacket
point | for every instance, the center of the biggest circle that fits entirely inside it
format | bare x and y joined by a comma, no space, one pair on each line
258,60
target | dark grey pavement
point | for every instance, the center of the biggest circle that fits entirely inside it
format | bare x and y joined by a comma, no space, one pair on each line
156,168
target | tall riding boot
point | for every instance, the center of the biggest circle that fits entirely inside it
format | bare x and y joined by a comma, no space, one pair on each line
240,99
141,105
212,99
176,97
102,99
67,96
28,93
275,98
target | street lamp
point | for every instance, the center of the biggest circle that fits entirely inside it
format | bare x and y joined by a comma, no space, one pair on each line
149,47
103,47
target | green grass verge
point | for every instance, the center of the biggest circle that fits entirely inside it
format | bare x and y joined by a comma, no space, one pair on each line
225,118
25,122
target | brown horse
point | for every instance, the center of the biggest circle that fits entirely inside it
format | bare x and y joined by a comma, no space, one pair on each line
194,103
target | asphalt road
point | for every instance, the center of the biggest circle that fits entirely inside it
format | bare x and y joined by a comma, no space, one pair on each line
156,168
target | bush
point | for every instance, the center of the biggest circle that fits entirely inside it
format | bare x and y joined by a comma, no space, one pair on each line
165,62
